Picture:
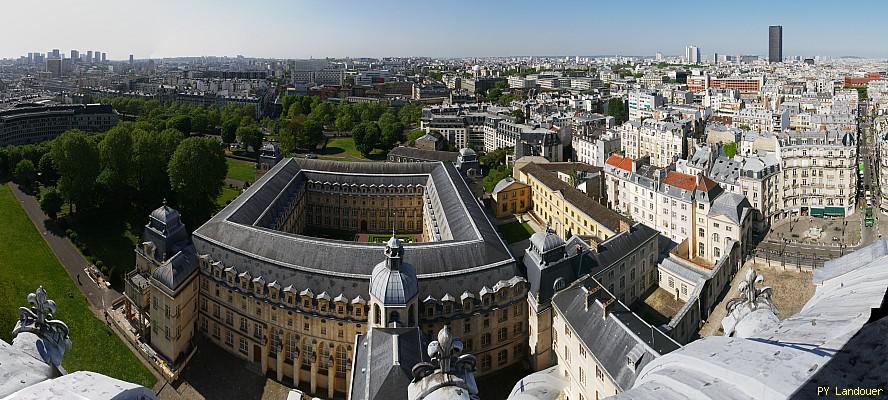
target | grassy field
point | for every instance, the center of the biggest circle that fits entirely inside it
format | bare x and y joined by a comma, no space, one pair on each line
241,170
26,263
376,238
343,149
515,231
226,196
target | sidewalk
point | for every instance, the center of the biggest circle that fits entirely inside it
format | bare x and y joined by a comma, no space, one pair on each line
65,251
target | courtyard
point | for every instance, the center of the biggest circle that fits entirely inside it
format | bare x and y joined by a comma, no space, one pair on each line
819,231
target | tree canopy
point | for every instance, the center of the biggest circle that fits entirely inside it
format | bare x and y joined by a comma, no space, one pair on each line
197,171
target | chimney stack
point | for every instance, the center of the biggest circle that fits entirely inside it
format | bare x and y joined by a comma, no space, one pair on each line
588,296
605,306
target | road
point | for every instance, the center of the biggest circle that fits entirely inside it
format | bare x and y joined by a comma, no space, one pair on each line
64,250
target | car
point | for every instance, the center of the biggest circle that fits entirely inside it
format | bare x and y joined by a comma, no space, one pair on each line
869,203
311,156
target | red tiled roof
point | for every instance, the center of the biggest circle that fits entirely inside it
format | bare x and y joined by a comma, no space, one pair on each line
706,184
618,161
680,180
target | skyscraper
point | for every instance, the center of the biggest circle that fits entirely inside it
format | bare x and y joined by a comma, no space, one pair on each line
75,55
131,59
692,54
775,43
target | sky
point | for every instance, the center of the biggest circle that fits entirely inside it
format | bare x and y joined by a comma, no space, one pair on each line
454,28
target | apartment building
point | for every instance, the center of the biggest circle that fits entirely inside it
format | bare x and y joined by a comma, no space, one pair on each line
681,206
762,120
595,149
664,142
642,104
818,173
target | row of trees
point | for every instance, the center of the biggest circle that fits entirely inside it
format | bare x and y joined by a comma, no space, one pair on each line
128,166
305,118
185,118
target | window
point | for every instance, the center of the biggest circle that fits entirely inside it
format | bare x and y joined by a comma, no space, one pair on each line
467,326
485,340
243,345
229,338
243,324
502,357
291,347
215,330
582,376
599,373
503,334
485,362
341,361
257,331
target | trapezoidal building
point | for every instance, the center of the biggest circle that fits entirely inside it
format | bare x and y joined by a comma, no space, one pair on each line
275,293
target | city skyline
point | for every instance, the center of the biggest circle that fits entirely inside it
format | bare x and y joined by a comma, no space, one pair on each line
277,29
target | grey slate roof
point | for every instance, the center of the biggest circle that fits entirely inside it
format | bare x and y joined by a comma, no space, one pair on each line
612,338
734,206
393,287
384,358
239,235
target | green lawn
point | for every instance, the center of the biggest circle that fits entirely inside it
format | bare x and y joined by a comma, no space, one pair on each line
26,263
244,171
515,231
343,149
226,196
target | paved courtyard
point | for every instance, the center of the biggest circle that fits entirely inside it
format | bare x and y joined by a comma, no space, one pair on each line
213,373
830,232
792,289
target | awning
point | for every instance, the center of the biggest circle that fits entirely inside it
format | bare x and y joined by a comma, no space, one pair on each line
816,212
834,211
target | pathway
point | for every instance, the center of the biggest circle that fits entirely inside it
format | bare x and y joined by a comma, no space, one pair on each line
65,251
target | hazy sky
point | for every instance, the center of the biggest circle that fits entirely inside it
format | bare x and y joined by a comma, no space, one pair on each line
302,29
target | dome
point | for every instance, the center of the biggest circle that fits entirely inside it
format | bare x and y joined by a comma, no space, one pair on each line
546,241
393,286
465,151
393,243
756,321
166,215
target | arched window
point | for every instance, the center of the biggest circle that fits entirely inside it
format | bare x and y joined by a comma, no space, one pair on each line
341,361
393,317
376,317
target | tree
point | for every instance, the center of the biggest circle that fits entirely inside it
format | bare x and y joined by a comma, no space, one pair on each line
180,122
519,116
415,134
250,135
617,109
76,157
25,173
410,113
115,156
51,202
151,155
229,130
730,149
366,136
494,176
197,171
48,174
344,123
311,134
199,121
496,158
392,134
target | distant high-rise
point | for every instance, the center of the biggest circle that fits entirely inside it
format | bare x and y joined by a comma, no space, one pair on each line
89,56
131,59
104,55
692,54
97,56
775,43
75,55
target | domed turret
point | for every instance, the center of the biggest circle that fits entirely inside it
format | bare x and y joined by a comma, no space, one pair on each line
394,288
547,241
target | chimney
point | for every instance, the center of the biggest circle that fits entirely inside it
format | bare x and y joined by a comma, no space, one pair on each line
605,306
589,296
